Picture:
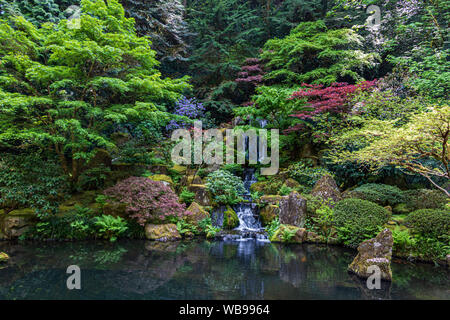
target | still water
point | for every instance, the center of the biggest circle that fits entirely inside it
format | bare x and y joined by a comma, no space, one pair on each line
204,270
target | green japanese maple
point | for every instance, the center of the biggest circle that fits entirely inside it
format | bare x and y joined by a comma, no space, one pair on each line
66,88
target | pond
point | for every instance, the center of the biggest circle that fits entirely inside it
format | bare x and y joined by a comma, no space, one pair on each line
204,270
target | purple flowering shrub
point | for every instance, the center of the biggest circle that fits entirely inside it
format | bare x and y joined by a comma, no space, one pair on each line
147,200
186,107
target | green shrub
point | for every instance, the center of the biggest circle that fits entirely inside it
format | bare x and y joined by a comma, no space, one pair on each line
272,227
285,190
187,196
306,175
357,220
225,187
206,226
425,199
403,241
109,227
74,225
185,227
431,223
382,194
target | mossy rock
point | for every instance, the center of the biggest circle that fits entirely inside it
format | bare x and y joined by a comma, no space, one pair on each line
162,177
26,212
272,199
291,183
179,169
230,219
162,232
3,257
115,209
297,235
189,180
269,213
258,186
198,213
17,222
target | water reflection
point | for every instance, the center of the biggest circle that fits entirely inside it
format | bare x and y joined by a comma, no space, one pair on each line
204,270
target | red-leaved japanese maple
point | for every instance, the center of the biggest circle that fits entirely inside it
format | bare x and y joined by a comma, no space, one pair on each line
333,99
146,199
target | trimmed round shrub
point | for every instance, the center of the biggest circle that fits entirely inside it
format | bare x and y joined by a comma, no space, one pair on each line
431,223
425,199
147,200
357,220
382,194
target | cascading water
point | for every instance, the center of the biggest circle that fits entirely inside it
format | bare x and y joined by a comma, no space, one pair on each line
249,224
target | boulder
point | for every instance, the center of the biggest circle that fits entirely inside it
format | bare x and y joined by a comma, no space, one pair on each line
299,235
163,178
268,213
162,232
326,188
230,219
293,210
198,213
16,223
201,194
376,251
291,183
179,169
3,257
315,238
271,199
188,180
116,209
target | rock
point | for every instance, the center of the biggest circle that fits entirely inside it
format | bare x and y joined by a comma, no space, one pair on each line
179,169
16,223
291,183
268,213
189,180
376,251
293,210
448,260
202,196
163,178
272,199
314,238
230,219
198,213
162,232
298,235
3,257
115,209
217,216
326,188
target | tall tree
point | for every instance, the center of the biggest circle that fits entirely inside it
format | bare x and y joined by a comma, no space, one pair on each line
66,89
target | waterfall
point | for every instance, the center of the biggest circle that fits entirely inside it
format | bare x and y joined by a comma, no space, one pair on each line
249,224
